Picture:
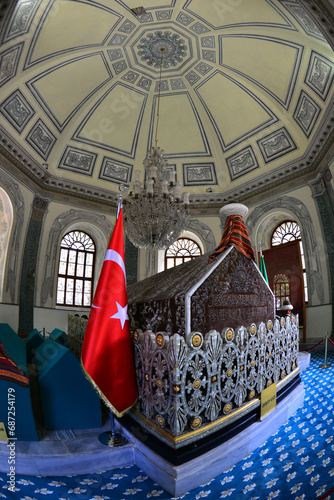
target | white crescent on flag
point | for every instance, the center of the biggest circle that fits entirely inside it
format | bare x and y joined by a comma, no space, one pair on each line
114,257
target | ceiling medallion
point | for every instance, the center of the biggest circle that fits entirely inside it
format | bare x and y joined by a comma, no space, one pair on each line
150,49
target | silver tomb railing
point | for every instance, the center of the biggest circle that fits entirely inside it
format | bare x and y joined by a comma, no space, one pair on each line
190,387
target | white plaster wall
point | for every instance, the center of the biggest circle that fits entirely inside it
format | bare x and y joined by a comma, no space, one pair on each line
10,314
318,321
44,318
49,319
213,222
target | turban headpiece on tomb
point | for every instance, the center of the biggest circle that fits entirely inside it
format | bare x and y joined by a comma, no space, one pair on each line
235,233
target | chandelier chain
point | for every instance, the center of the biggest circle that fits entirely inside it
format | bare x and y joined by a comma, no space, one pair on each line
155,212
158,100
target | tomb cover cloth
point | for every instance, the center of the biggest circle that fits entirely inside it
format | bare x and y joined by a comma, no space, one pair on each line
10,371
235,233
107,354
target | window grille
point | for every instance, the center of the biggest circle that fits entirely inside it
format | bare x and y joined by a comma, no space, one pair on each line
285,232
281,289
183,250
290,231
76,270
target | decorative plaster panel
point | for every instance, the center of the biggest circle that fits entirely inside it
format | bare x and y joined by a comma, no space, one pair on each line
306,113
319,75
199,174
9,60
276,144
307,23
21,19
242,163
17,110
115,171
41,139
77,160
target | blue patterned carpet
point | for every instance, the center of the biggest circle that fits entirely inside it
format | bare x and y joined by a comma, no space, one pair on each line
297,462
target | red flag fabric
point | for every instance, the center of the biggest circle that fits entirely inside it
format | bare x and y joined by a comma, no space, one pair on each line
107,355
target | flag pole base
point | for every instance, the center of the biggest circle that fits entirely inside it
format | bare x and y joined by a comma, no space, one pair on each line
326,365
112,439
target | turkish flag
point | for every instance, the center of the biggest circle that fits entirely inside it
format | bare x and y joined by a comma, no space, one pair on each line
107,355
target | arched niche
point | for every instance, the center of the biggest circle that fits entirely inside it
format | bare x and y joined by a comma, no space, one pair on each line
11,264
98,227
265,217
6,224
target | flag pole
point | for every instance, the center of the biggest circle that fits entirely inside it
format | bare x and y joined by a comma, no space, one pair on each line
326,365
120,196
262,265
113,438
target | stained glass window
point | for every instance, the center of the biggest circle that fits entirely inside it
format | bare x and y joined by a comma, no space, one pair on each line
76,270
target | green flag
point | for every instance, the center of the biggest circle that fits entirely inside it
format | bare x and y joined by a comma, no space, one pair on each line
263,268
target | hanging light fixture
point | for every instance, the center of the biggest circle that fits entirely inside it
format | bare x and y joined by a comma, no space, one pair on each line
155,214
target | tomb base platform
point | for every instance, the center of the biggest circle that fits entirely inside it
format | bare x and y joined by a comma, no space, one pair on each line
178,479
62,453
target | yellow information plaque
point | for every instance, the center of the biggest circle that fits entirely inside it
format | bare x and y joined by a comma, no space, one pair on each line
268,400
3,433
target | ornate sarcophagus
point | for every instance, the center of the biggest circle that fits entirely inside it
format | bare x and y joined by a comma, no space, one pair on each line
201,296
207,343
202,389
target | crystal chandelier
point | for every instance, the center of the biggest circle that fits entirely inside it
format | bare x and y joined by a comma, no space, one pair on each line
155,213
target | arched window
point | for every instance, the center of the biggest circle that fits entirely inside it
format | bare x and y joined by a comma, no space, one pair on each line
287,231
290,231
76,270
281,289
181,251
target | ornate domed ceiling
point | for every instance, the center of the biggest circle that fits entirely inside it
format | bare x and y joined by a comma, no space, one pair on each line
246,97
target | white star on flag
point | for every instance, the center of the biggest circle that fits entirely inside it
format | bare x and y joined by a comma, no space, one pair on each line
122,314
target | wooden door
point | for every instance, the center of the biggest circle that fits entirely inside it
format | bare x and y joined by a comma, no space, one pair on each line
283,264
